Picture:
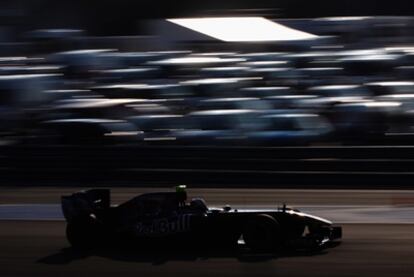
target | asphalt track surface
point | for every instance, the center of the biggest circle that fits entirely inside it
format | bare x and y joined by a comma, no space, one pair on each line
39,248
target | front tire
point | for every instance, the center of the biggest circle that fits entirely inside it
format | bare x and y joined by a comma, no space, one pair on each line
263,233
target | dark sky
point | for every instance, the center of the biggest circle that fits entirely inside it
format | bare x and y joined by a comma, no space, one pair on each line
291,8
121,16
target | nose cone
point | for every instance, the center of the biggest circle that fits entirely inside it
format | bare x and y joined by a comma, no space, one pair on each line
313,218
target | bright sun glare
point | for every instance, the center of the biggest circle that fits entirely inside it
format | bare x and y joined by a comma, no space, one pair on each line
242,29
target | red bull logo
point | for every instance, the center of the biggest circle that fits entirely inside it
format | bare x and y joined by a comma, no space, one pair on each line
165,226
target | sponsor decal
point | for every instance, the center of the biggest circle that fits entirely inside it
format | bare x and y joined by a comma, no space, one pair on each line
164,226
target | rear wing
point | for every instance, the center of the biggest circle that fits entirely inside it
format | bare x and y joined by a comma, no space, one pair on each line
85,203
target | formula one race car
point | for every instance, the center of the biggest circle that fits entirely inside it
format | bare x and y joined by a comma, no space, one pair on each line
166,218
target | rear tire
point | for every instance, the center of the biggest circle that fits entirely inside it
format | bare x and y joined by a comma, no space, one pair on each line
82,236
263,233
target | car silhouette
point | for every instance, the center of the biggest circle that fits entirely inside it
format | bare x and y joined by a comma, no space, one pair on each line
166,218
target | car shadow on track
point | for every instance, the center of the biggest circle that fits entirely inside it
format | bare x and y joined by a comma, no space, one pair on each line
162,256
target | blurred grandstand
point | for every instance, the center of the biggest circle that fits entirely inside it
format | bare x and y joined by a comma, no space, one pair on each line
348,81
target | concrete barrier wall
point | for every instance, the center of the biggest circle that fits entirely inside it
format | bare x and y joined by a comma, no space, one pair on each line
283,167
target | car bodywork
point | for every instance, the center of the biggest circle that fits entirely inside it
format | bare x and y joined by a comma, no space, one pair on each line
166,218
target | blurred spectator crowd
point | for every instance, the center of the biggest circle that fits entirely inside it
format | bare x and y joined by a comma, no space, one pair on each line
333,93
